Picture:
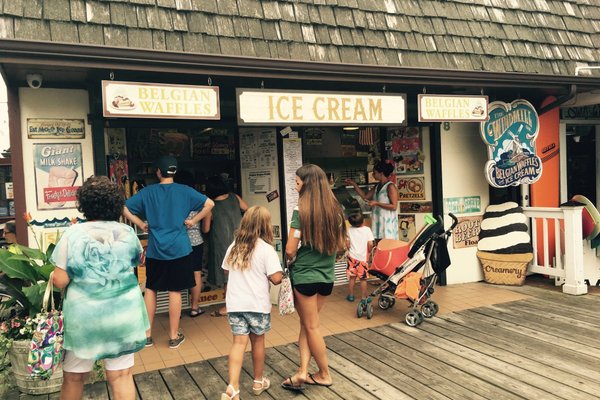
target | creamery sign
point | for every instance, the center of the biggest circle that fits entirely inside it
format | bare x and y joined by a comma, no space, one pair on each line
155,100
267,107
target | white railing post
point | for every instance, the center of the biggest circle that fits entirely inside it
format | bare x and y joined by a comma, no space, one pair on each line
574,276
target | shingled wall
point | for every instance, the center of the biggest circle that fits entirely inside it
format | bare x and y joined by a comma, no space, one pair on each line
532,36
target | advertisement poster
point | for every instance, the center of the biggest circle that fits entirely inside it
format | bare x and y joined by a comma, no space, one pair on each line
119,174
116,141
407,228
55,128
466,232
510,135
416,207
411,188
459,205
58,174
406,150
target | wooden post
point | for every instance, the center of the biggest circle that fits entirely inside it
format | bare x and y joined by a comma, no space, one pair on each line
574,276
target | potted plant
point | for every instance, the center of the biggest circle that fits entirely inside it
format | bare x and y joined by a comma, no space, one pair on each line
24,274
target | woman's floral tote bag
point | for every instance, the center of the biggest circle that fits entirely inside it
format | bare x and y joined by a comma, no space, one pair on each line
46,350
286,295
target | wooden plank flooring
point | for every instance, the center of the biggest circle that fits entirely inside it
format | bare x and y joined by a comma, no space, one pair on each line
544,347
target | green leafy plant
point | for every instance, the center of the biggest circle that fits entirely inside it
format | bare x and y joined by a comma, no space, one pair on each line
24,274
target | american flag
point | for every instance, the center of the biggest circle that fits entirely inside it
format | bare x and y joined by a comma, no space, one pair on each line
365,136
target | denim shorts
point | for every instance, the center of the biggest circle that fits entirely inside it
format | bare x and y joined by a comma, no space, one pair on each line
244,323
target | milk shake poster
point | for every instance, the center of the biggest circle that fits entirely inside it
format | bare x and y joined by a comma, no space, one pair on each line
58,174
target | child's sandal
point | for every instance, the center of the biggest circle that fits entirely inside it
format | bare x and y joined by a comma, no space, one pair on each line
265,383
225,396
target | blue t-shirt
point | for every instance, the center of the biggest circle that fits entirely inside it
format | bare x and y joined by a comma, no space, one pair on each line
165,207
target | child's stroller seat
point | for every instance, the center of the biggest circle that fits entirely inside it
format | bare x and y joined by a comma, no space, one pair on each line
388,255
396,263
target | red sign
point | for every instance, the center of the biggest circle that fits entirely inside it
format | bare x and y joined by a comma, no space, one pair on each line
60,194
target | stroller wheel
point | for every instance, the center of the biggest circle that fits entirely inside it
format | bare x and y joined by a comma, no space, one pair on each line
359,310
428,310
414,318
369,311
385,302
434,307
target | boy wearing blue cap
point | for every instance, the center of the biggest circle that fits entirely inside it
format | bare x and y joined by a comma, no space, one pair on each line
165,206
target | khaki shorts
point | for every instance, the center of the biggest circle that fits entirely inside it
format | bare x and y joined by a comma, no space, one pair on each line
79,365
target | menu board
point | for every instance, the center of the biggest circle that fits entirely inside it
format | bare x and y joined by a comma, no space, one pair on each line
258,149
292,160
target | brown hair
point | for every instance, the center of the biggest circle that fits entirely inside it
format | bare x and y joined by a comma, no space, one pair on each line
255,224
322,223
100,199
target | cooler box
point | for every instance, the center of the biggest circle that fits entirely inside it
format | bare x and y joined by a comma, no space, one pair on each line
389,255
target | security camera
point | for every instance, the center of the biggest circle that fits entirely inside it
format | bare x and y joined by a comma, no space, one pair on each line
34,80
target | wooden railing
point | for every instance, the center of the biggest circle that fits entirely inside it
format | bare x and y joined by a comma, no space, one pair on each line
558,246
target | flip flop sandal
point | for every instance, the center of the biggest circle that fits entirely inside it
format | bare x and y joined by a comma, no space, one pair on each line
217,313
291,386
196,312
314,382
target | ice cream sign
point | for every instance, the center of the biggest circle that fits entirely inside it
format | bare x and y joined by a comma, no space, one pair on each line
155,100
291,108
510,134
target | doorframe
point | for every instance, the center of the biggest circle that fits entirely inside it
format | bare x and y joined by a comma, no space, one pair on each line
563,156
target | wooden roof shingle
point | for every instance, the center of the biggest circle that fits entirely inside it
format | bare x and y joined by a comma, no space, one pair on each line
532,36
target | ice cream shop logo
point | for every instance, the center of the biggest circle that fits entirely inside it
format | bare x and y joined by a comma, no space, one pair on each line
510,134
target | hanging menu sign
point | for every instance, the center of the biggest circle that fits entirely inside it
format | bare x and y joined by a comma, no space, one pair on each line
289,108
292,160
155,100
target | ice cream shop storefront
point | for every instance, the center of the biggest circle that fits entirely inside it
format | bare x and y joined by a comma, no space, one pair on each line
445,157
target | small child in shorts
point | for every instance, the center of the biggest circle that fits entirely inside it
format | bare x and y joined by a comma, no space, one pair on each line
252,262
360,243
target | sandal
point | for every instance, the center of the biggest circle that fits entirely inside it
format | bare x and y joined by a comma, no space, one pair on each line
225,396
313,381
291,386
218,313
196,312
265,383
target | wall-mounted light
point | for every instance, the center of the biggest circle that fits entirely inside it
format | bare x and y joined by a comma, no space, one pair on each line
350,128
206,130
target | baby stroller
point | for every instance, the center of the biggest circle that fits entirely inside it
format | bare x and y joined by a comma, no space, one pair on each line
393,260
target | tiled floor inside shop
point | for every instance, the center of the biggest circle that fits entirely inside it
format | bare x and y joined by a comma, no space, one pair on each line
208,337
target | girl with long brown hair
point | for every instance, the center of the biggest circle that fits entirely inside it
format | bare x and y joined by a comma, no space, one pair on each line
252,262
317,234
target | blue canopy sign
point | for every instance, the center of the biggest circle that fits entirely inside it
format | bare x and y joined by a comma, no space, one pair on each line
510,134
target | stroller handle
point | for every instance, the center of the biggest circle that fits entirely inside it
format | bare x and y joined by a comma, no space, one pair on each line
454,222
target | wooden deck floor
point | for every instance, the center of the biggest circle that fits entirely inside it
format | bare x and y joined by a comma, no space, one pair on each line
544,347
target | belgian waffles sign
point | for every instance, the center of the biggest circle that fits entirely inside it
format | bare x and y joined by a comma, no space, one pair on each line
510,134
265,107
155,100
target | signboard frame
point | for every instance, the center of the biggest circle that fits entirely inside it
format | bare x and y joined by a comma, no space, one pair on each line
106,110
43,177
482,112
324,122
58,128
